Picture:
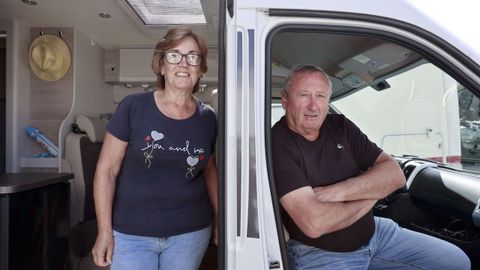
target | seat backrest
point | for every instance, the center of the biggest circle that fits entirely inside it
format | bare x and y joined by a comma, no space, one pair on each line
82,152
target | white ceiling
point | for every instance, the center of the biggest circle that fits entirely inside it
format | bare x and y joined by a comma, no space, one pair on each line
120,30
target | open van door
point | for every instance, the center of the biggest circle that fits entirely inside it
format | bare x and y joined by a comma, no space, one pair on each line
365,47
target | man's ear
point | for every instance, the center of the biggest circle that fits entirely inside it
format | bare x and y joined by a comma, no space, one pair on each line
284,97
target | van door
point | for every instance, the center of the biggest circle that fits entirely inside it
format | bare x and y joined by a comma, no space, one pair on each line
251,234
263,41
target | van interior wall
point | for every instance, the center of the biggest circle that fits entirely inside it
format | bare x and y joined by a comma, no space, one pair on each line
92,95
17,91
50,102
54,105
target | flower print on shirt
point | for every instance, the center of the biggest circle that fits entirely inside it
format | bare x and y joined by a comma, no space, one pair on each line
153,137
191,161
192,158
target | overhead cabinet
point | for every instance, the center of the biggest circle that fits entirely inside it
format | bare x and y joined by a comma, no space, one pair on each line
129,65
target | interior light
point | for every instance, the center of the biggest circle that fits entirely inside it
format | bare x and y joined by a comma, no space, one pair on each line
30,2
104,15
168,12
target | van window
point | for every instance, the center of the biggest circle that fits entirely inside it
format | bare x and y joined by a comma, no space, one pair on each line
469,109
402,102
277,111
422,112
406,118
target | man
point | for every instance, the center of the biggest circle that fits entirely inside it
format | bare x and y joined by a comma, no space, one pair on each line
329,176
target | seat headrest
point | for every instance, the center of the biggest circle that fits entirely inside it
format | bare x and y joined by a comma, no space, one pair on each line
93,126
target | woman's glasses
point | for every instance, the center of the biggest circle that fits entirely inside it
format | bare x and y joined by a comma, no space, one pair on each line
176,57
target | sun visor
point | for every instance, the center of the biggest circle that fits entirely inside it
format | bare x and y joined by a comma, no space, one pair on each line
376,58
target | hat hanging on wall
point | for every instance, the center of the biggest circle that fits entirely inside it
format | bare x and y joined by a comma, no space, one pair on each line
49,57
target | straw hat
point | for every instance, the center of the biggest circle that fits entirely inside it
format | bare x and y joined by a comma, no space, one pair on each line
49,57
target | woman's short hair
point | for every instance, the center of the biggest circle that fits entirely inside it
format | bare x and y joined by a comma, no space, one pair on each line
173,37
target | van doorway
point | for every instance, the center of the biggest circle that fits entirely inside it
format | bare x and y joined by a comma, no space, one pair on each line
3,91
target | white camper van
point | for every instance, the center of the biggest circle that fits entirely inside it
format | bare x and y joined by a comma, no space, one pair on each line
398,72
406,73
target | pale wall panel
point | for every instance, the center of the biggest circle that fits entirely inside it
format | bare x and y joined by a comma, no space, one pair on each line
50,102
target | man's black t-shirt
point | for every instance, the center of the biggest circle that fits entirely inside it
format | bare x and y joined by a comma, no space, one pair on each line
341,151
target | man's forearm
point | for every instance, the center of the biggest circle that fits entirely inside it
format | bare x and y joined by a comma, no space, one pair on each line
316,218
341,215
376,183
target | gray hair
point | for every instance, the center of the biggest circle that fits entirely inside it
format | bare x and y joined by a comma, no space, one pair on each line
308,69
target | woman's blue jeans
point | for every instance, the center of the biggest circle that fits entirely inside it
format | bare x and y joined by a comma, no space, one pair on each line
391,247
183,251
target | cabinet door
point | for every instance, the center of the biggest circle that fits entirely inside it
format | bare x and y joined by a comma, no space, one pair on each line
39,228
135,65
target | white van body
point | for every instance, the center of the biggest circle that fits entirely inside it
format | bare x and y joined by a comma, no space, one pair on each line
252,236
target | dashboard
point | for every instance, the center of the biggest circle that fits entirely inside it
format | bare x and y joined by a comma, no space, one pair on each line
445,189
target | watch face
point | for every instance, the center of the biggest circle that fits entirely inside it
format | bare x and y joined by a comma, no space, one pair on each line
465,99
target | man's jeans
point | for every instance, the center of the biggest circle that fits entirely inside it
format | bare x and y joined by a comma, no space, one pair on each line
391,247
183,251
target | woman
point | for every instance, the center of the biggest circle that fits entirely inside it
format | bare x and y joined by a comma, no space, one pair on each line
156,179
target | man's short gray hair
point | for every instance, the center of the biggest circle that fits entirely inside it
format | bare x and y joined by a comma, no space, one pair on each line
309,69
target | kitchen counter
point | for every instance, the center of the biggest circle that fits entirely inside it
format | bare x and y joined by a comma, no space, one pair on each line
34,220
17,182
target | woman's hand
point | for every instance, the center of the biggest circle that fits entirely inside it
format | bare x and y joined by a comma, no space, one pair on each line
215,233
211,179
103,249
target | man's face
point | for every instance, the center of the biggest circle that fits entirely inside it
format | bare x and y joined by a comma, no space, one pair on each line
306,104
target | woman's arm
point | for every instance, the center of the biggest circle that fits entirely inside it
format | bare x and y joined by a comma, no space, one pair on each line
108,166
211,179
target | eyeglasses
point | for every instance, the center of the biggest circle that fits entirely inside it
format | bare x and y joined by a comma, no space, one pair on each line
176,57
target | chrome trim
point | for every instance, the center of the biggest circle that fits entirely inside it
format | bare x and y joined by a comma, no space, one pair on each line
239,128
476,214
252,229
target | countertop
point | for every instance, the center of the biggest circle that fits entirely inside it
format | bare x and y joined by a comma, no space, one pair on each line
17,182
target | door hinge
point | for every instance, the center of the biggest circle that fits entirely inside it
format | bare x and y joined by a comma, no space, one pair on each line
274,264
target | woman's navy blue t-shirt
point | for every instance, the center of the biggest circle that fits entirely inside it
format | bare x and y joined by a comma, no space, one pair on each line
160,190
